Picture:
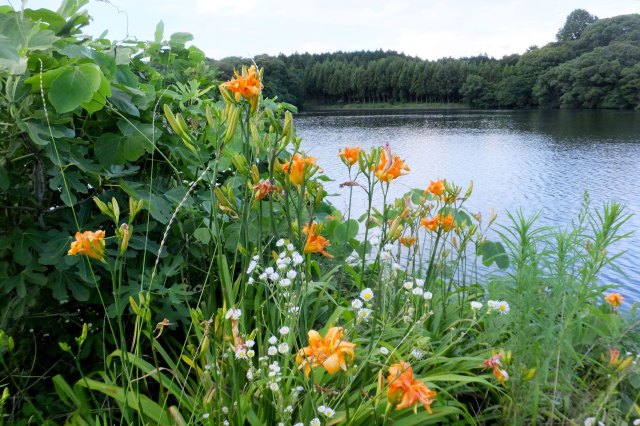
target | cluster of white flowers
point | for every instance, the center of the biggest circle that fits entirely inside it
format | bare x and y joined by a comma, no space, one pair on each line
592,421
328,412
363,313
416,288
386,254
233,313
283,275
499,306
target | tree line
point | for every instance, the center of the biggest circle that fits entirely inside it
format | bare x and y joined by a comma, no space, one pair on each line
594,63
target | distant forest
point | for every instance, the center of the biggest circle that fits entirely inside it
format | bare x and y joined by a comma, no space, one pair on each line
595,63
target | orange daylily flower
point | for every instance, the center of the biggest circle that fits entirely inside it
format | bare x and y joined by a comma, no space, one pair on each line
614,299
408,241
350,155
447,222
430,224
263,189
297,168
500,374
436,188
89,244
315,243
329,352
494,363
246,85
390,168
404,387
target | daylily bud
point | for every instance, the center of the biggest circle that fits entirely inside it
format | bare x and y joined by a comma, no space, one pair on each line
83,336
116,209
124,234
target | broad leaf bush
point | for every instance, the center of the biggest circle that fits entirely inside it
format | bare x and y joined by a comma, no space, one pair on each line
168,257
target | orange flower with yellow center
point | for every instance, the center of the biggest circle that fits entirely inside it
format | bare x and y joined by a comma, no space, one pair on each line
263,189
315,243
614,299
89,244
408,241
403,387
329,352
389,168
436,188
297,168
447,222
350,155
246,85
430,224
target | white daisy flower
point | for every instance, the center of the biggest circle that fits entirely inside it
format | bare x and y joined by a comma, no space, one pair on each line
292,274
366,294
321,409
364,313
294,310
262,276
284,330
492,304
250,281
419,282
417,353
225,410
205,415
274,387
476,306
285,282
272,340
249,375
290,247
297,258
241,353
315,422
356,303
503,307
408,285
283,348
269,270
274,277
418,291
328,412
280,243
272,351
249,343
251,353
233,313
251,267
384,350
427,295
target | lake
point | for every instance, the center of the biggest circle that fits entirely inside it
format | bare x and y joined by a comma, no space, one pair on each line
536,161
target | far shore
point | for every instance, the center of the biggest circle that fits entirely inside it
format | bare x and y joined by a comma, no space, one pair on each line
382,106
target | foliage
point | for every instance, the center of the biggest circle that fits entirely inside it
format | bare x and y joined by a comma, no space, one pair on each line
208,272
372,78
576,23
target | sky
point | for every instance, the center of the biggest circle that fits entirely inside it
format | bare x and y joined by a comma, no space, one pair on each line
429,29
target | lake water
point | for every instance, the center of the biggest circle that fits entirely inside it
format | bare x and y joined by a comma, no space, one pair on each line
537,161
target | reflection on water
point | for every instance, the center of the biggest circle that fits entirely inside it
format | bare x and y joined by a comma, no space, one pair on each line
536,161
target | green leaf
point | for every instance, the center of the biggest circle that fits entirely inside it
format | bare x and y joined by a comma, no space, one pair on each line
203,235
159,32
180,38
148,409
75,85
493,252
122,101
346,231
